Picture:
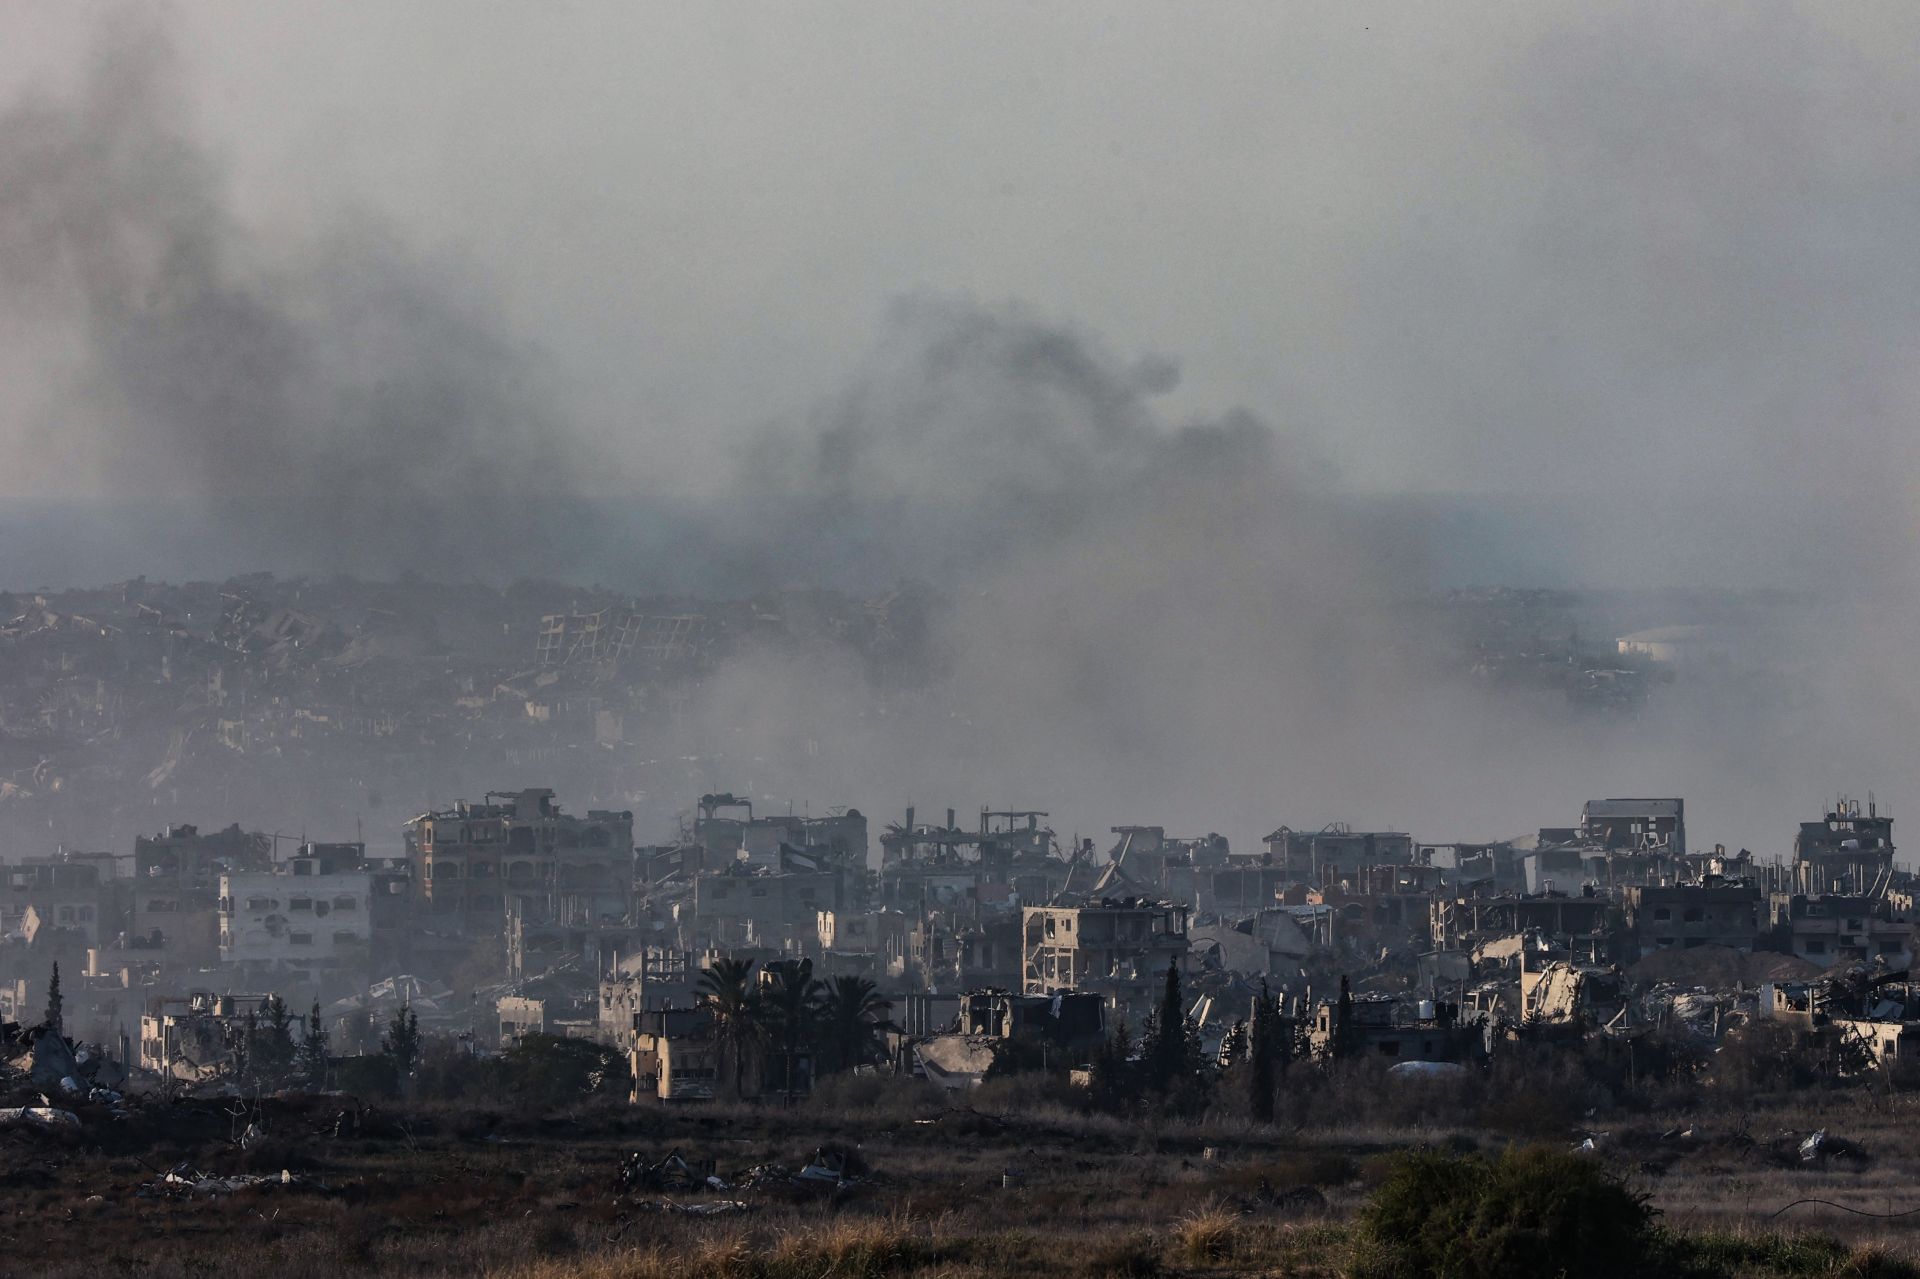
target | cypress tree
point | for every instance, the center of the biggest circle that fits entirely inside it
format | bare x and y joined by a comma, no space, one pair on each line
1169,1049
1262,1049
55,1018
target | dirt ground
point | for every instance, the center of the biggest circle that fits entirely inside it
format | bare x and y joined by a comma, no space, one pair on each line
948,1189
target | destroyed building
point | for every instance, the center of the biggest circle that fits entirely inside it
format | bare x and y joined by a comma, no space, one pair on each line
727,831
63,892
1847,852
471,862
310,919
1831,929
1308,855
1638,825
651,980
1690,915
1118,949
176,890
675,1057
195,1037
745,905
1397,1030
1010,859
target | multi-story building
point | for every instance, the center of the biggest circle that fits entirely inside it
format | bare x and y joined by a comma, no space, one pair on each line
1119,949
470,862
59,892
1307,856
1848,852
193,1037
744,907
647,981
1683,916
1641,825
309,916
949,953
1831,929
675,1057
1575,924
727,830
176,890
876,932
1011,858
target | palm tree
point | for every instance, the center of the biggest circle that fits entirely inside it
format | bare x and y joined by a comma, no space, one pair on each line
790,1002
726,991
852,1017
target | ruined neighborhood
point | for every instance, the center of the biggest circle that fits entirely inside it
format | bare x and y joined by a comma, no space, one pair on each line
904,641
595,936
948,949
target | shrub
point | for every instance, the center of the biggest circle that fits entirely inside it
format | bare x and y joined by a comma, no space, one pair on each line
1714,1254
1528,1212
1771,1057
1206,1234
366,1076
875,1097
856,1249
551,1070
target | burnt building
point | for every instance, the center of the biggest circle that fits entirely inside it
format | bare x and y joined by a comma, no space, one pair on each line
518,849
1846,852
1307,856
176,890
1639,825
1683,916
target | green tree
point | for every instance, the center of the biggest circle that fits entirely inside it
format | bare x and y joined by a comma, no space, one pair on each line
853,1015
1342,1043
1264,1054
790,1008
401,1044
1111,1082
554,1070
314,1059
1522,1212
243,1046
1169,1045
726,992
270,1047
55,1018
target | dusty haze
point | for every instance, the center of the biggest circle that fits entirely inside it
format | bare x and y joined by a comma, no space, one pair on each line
1126,327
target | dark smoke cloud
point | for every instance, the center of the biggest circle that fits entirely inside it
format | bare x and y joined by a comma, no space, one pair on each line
349,407
1189,624
971,437
1148,621
1689,290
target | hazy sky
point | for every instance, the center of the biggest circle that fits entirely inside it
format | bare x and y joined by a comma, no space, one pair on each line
1460,246
373,263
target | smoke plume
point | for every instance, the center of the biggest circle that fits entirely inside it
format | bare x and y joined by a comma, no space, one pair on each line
349,407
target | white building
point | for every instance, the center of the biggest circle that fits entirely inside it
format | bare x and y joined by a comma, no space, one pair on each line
307,915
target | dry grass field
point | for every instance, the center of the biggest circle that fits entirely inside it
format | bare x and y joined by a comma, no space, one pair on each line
1012,1182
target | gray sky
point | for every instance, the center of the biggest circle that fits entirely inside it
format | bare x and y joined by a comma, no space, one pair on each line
1458,246
1657,261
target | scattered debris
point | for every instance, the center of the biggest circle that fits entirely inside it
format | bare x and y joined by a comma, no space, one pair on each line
671,1173
835,1166
1820,1148
185,1183
38,1116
